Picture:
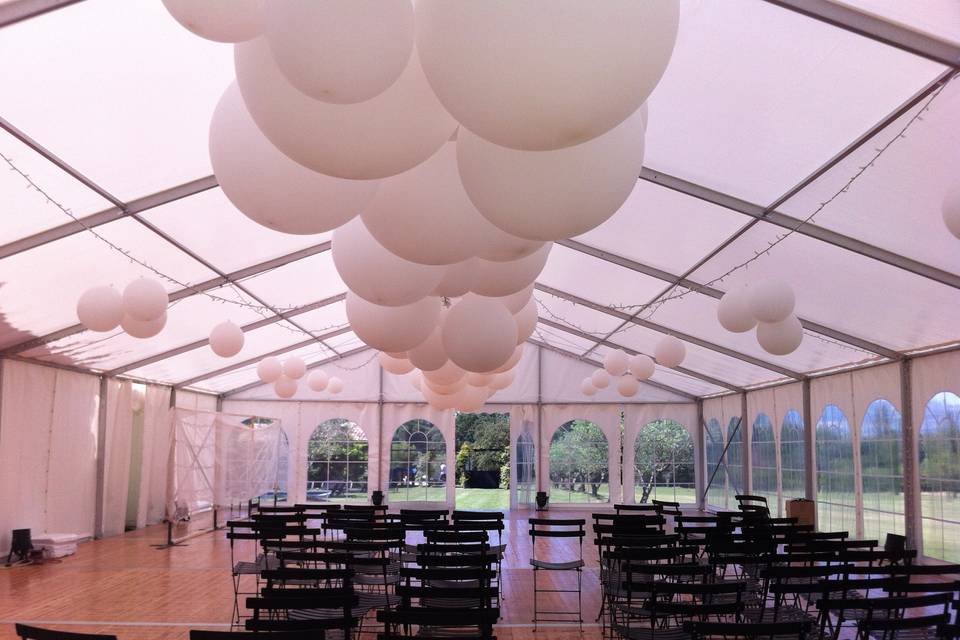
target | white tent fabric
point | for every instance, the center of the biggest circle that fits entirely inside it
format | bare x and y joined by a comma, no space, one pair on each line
119,425
157,435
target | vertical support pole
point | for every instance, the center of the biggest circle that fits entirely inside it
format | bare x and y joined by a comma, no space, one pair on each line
911,468
746,456
220,403
101,458
379,436
809,442
700,472
539,456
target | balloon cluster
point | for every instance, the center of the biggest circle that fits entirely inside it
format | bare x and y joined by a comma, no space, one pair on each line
285,376
141,310
951,211
630,370
767,305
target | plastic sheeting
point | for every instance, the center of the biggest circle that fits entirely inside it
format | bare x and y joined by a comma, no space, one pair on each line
117,453
635,418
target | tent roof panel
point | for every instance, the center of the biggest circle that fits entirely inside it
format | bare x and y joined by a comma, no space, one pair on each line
589,277
298,283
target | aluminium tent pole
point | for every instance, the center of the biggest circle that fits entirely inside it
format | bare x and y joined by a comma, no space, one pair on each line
101,457
911,468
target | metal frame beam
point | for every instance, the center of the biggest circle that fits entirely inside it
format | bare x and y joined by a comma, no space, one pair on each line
320,363
16,11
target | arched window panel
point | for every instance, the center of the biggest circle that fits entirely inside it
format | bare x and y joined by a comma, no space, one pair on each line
836,501
418,469
881,470
734,460
526,469
664,463
579,465
763,462
939,457
792,454
337,462
716,480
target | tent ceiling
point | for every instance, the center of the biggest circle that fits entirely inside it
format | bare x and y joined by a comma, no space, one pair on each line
766,111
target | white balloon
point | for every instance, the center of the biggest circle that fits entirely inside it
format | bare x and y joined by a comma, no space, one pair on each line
512,362
456,279
220,20
430,355
641,366
587,388
392,328
526,321
294,367
226,339
771,300
341,51
734,312
951,211
517,301
318,380
377,275
285,387
270,188
479,334
627,386
615,362
100,308
335,385
497,245
552,195
383,136
269,369
670,351
396,366
145,299
544,74
600,379
503,379
471,398
143,328
480,379
438,400
446,379
497,279
780,338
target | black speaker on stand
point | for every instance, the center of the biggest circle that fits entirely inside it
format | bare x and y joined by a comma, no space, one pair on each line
20,546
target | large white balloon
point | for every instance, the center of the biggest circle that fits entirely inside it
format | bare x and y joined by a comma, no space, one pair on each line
780,338
335,385
220,20
526,321
615,362
499,246
100,308
552,195
392,328
449,373
480,379
771,300
456,279
445,389
670,351
294,367
341,51
479,334
383,136
143,328
270,188
318,380
734,312
416,379
285,387
544,74
512,362
269,369
497,279
587,388
503,379
145,299
396,366
517,301
430,354
471,398
226,339
600,379
951,211
437,400
627,386
641,366
377,275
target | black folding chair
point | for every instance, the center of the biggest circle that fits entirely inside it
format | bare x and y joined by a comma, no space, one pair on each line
36,633
559,528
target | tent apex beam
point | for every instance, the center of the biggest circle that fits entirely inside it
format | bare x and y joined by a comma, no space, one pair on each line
19,10
326,361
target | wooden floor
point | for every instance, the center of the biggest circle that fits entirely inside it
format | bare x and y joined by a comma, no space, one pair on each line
123,586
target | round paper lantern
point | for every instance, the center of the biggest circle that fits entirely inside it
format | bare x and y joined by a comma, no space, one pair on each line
526,321
512,362
780,338
479,334
424,215
587,388
285,387
497,245
951,211
446,388
145,299
270,188
226,339
771,300
517,301
670,351
600,379
269,369
544,74
392,328
429,355
100,308
449,373
480,379
503,379
377,275
471,398
456,279
380,137
552,195
497,279
396,366
341,51
220,20
294,367
615,362
318,380
335,385
439,401
734,312
143,328
641,366
627,386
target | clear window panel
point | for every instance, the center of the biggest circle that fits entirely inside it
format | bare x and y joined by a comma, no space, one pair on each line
836,505
337,457
940,477
792,458
418,469
881,469
716,472
763,462
664,466
526,469
579,465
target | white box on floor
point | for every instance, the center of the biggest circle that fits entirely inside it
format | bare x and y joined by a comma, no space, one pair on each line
57,545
